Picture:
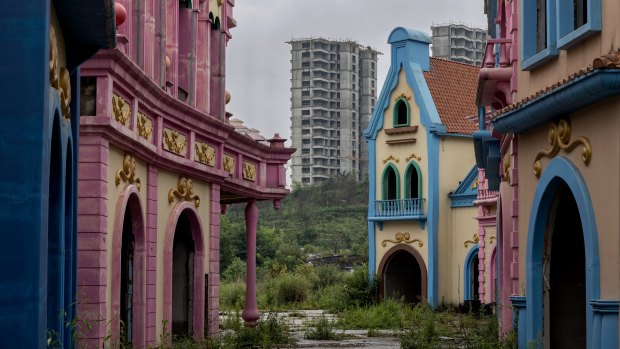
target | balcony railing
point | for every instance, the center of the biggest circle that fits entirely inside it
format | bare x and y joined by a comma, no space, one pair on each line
490,59
399,208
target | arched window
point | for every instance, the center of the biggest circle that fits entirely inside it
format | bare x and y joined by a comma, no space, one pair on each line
413,181
391,183
401,113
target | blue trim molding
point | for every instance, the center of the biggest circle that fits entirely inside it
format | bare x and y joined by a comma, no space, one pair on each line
605,327
559,170
584,90
568,34
530,58
519,319
467,191
468,293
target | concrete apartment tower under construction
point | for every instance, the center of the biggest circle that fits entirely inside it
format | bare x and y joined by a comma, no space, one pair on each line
333,92
458,42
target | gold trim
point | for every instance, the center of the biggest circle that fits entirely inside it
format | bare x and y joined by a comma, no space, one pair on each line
474,185
475,240
128,172
559,138
205,154
249,171
145,126
184,192
59,77
229,164
174,141
402,95
404,238
491,239
413,156
507,163
391,157
120,109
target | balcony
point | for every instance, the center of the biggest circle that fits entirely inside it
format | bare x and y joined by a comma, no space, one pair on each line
399,210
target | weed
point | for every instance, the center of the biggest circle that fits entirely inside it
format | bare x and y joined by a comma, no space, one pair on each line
321,329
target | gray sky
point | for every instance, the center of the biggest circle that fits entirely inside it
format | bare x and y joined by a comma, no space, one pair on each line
258,59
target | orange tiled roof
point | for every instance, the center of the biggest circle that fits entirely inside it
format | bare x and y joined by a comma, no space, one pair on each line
453,87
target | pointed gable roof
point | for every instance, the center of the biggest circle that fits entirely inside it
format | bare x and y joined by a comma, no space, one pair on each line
467,191
453,88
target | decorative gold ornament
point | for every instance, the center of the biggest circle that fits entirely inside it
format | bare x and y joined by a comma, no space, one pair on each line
507,168
249,171
474,241
402,95
220,2
229,164
174,141
404,238
474,185
184,192
559,138
145,126
491,239
205,154
120,109
53,58
391,157
128,172
413,156
59,77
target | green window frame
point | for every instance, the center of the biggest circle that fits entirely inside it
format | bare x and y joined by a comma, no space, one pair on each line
413,166
384,182
397,113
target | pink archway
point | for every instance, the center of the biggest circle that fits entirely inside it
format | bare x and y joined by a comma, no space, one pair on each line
130,200
493,271
199,253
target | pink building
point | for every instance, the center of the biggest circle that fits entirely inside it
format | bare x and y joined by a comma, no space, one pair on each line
159,162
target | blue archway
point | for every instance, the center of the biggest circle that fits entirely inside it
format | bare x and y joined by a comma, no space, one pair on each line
559,171
468,292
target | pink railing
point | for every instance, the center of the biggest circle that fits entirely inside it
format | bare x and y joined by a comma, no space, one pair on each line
490,54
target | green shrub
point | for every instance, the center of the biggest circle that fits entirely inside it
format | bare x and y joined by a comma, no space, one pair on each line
268,333
290,288
328,275
361,290
321,329
333,298
232,295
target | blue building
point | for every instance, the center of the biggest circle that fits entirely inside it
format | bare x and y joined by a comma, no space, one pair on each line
43,44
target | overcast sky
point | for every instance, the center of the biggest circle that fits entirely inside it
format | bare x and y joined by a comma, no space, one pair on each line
258,59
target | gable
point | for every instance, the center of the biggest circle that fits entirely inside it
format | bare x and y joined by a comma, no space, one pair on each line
467,191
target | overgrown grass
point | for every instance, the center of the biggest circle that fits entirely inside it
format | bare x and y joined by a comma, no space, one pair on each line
321,329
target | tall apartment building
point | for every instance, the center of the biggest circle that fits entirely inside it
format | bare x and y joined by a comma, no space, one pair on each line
458,42
333,92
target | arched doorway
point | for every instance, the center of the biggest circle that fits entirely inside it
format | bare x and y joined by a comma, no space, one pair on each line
184,272
129,270
127,278
403,275
564,275
561,215
182,277
471,274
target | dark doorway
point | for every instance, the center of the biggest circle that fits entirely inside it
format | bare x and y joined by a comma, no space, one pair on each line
564,274
402,278
474,278
182,277
127,277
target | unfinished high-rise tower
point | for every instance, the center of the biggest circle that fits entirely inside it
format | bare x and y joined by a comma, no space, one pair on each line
333,92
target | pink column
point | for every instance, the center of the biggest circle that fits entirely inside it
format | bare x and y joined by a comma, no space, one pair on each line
151,245
514,236
250,311
213,315
92,234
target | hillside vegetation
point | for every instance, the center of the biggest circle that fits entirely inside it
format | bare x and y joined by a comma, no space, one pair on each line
321,220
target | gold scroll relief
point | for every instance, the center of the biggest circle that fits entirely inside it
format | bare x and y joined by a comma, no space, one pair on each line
249,171
229,164
402,238
59,77
559,138
128,172
474,240
391,157
145,126
205,154
121,109
184,192
174,141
